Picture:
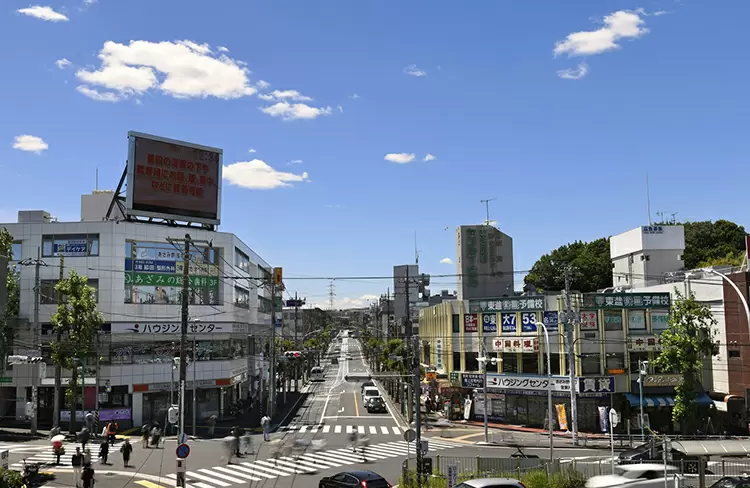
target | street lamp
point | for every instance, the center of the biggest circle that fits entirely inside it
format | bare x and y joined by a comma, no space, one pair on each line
642,371
550,408
484,361
736,288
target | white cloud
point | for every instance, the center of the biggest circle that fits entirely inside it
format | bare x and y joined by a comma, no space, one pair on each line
574,73
182,69
222,49
97,95
293,95
400,158
618,25
347,302
334,205
295,111
660,13
89,2
296,161
252,150
340,108
446,261
262,84
429,157
258,175
30,144
354,96
63,63
412,70
44,13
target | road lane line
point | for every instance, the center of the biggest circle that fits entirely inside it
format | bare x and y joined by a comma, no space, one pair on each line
373,429
149,484
193,474
356,406
384,429
262,470
337,429
396,430
222,476
237,472
255,472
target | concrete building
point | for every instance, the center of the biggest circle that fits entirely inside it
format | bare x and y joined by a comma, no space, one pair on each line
644,256
484,262
136,273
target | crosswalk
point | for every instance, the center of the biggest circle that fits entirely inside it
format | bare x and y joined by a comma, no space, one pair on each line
304,463
20,447
342,429
47,456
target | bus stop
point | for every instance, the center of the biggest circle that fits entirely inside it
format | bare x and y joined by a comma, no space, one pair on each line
706,449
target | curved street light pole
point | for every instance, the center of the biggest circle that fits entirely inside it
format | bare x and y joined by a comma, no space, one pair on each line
736,288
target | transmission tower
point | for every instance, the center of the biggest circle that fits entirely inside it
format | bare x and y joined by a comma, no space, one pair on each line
331,294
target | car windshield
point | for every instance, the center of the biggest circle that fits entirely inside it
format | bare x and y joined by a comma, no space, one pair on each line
372,393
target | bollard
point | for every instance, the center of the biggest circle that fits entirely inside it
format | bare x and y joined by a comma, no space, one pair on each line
180,473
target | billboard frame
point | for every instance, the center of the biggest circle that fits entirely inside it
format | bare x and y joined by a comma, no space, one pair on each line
130,175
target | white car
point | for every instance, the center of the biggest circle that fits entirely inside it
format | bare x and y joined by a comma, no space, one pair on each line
634,476
349,357
491,483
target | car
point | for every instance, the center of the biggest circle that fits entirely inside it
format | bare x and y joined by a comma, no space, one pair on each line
335,361
646,475
491,483
376,405
368,383
653,452
349,357
732,482
351,479
370,392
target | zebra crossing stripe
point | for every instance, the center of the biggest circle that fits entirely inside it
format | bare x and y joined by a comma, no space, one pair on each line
221,476
193,474
361,429
396,430
276,471
303,429
373,430
236,472
337,429
275,466
326,429
384,429
314,430
323,461
252,471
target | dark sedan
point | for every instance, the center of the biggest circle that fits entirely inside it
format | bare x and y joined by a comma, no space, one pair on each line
376,404
354,479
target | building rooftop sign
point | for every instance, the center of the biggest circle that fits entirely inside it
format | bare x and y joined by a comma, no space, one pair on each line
509,304
626,300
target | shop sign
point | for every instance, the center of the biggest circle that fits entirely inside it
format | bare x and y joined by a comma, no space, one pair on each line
170,328
663,380
524,382
470,322
150,266
644,343
528,322
489,322
439,354
455,378
588,321
551,320
600,384
73,247
507,304
652,229
508,323
504,345
472,380
430,376
626,300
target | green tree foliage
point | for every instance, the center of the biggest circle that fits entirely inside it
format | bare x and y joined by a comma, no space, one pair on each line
7,325
78,321
590,263
687,342
713,243
394,348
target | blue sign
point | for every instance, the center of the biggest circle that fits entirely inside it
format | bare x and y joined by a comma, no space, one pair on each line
279,323
182,451
150,266
508,323
550,320
528,321
489,322
596,384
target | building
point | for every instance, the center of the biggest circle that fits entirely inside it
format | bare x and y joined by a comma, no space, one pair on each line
646,255
484,262
137,273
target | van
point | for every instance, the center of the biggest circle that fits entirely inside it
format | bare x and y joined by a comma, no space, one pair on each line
370,392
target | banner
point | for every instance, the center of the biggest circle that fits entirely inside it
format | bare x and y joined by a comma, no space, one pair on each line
562,419
603,418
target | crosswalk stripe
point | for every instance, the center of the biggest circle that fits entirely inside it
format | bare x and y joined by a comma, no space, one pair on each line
324,461
344,455
148,484
349,429
326,429
391,450
373,430
396,430
303,429
337,429
193,474
384,429
361,429
294,465
235,472
221,475
275,466
275,470
304,463
314,430
255,472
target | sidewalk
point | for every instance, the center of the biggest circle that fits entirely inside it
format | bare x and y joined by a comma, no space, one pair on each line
534,430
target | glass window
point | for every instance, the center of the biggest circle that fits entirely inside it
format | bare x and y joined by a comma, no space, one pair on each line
72,245
241,297
635,357
48,294
659,320
615,362
637,321
530,363
264,304
472,364
510,362
457,361
241,260
456,323
16,249
590,364
612,320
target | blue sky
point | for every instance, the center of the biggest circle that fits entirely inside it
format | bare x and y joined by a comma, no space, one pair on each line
557,109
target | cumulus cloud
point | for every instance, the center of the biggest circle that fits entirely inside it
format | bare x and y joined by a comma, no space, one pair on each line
258,175
340,303
295,111
222,49
63,63
354,96
262,84
181,69
43,13
30,143
429,157
574,73
446,261
412,70
293,95
619,25
400,158
100,96
251,150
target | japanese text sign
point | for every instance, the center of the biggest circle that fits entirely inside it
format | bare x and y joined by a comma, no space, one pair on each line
470,322
508,323
626,300
472,380
507,304
588,321
644,343
663,380
528,382
133,278
528,322
169,328
73,247
489,322
550,320
521,344
597,384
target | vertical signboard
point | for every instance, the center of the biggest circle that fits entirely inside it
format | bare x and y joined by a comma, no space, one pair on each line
528,322
508,323
489,322
470,322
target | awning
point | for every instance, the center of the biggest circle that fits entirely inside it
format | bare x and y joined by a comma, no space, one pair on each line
662,400
727,447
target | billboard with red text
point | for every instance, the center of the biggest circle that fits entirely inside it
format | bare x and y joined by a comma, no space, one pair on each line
173,179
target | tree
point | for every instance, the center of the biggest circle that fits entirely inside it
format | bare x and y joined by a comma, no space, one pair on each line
7,322
713,243
591,267
78,322
686,344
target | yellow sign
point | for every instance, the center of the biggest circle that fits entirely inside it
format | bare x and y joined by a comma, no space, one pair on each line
277,277
430,376
562,419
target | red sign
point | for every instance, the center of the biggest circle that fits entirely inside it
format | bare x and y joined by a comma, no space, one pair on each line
471,320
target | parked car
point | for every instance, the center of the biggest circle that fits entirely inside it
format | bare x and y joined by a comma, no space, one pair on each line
351,479
349,357
376,405
644,475
732,482
491,483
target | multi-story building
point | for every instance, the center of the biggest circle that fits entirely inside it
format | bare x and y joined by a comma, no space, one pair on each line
645,255
484,262
137,275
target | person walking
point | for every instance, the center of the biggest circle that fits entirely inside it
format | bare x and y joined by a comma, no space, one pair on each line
265,422
104,452
113,432
145,434
89,422
126,450
76,461
88,476
84,436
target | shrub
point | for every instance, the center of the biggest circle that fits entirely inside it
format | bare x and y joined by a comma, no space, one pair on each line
536,479
10,479
568,478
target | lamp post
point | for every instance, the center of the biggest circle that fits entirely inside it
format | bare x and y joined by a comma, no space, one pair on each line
642,365
484,361
550,409
736,288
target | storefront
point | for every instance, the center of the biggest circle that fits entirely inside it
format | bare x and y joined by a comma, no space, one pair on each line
214,397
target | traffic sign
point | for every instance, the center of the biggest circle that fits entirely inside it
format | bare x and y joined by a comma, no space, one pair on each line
183,438
410,435
614,418
182,451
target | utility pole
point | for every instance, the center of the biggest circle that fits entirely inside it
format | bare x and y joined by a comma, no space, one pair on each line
35,335
296,341
569,326
487,209
184,329
58,367
417,405
276,282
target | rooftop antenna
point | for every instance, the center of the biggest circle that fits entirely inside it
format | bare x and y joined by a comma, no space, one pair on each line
416,251
97,178
648,200
487,208
674,218
660,214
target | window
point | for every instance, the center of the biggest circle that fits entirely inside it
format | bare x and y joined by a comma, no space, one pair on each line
635,357
659,320
637,321
612,320
48,294
615,362
530,363
72,245
734,353
510,362
472,364
457,361
241,297
590,364
456,323
241,260
16,249
554,363
264,304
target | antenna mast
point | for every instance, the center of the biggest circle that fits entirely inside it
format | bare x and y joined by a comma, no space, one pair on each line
416,251
331,294
487,209
648,200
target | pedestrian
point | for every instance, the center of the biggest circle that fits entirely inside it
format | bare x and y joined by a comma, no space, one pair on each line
84,437
126,450
88,476
155,436
76,461
145,433
113,433
86,457
265,422
104,452
212,425
89,421
237,432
